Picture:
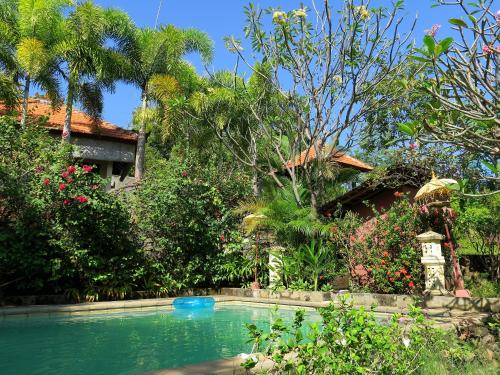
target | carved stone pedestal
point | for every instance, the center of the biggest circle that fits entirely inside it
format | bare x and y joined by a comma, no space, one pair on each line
433,262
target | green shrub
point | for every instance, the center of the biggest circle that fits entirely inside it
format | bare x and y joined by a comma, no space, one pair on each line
183,215
355,341
480,286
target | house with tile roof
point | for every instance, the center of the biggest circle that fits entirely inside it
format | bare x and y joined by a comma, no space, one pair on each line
109,147
341,158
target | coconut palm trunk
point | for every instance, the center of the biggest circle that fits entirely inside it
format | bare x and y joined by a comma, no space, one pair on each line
141,140
66,133
26,96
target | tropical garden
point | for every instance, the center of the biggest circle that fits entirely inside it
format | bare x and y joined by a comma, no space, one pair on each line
218,188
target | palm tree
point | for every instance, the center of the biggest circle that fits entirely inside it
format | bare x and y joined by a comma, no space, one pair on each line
29,32
96,41
155,66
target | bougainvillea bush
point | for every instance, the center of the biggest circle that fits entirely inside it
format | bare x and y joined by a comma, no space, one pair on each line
383,255
60,230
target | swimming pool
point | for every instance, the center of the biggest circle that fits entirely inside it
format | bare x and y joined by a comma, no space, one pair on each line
128,342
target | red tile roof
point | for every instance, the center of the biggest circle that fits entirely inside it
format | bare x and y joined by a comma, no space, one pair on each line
81,123
338,157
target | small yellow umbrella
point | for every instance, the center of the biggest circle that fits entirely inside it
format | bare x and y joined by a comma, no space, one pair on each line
436,188
251,223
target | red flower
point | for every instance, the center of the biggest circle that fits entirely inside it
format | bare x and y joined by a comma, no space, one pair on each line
333,229
184,173
391,279
403,271
222,238
397,273
382,261
65,174
66,202
398,194
388,273
69,180
87,168
71,169
81,199
385,253
46,181
411,284
62,187
370,269
408,277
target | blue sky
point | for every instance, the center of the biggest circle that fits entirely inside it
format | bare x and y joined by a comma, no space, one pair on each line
221,18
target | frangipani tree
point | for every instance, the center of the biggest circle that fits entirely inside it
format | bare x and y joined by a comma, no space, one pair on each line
29,33
153,68
325,62
461,74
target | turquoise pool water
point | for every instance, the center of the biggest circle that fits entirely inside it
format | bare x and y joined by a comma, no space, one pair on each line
127,343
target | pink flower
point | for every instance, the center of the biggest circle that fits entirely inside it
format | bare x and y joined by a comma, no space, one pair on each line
66,202
71,169
184,173
424,209
489,49
81,199
69,180
398,194
87,168
62,187
433,30
65,134
65,174
46,181
413,146
391,279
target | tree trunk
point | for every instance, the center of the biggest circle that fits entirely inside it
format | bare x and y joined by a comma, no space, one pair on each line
255,184
26,96
141,141
66,133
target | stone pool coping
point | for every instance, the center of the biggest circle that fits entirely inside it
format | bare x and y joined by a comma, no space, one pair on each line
444,306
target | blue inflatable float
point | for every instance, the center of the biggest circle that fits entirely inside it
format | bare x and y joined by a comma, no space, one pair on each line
190,308
193,303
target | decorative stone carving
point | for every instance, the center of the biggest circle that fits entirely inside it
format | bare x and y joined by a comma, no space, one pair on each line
275,265
433,261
